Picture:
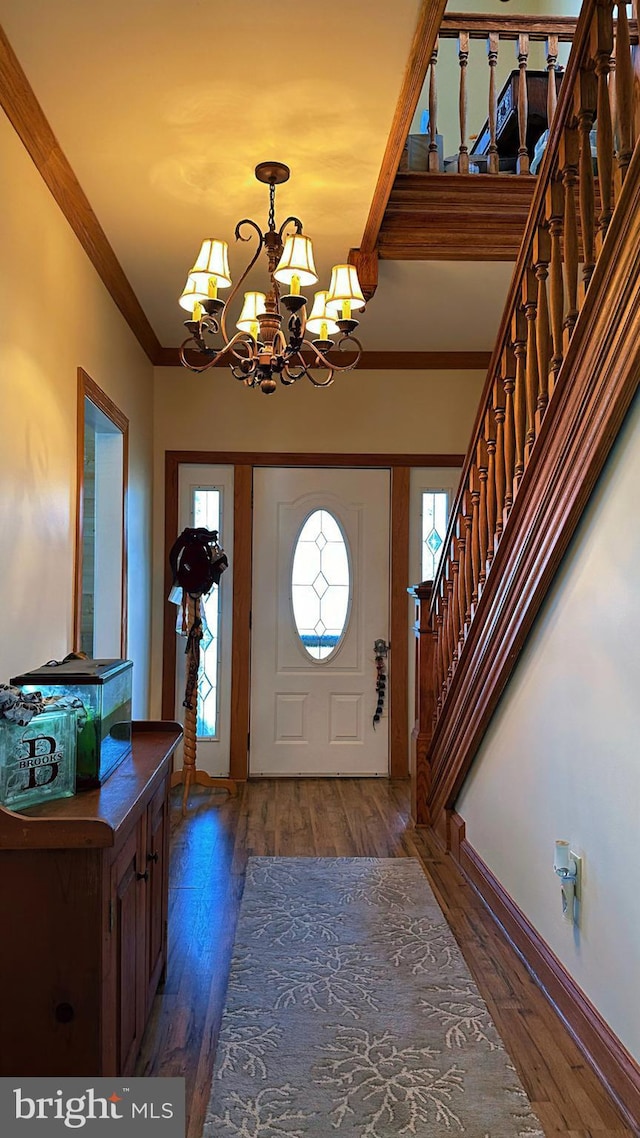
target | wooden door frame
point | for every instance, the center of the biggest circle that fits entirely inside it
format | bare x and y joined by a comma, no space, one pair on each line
244,463
88,389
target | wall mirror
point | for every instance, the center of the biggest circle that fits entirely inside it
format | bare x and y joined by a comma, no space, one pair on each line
100,608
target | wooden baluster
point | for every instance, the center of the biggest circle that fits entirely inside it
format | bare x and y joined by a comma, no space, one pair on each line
532,381
437,687
519,340
439,655
455,599
445,638
463,59
541,258
474,484
490,434
602,46
451,639
612,86
434,162
462,579
584,105
556,292
492,56
624,92
468,522
509,383
499,403
636,63
552,93
568,163
482,461
522,51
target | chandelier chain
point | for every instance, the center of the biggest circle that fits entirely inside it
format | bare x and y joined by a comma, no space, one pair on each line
272,207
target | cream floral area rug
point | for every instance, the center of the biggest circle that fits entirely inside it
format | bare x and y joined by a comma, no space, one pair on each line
350,1011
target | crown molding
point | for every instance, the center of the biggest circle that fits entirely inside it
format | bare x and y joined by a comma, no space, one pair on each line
25,114
372,361
427,28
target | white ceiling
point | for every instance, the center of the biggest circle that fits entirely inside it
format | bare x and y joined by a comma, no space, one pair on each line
164,107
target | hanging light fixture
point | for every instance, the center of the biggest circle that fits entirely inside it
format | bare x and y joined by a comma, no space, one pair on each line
262,350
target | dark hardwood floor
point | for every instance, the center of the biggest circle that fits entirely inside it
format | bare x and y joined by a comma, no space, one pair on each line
345,817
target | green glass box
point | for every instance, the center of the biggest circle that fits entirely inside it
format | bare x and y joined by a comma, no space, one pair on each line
103,691
38,762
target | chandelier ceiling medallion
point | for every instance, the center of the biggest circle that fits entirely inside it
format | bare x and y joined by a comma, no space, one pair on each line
270,343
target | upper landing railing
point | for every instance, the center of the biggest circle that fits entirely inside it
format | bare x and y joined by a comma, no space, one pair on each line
563,241
529,91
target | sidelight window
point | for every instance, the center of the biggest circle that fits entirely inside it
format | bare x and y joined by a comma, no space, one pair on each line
435,509
207,510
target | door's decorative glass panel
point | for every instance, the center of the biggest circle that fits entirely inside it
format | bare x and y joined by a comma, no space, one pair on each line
207,509
321,584
435,510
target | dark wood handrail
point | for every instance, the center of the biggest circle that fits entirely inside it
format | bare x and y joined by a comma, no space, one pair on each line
538,28
508,27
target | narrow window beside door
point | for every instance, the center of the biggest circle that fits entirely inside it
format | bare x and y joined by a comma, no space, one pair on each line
434,530
207,507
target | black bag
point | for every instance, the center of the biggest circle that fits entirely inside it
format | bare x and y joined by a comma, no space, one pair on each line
197,561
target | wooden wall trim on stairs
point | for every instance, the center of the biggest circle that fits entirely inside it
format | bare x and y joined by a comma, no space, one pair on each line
455,217
601,1047
28,120
596,384
429,20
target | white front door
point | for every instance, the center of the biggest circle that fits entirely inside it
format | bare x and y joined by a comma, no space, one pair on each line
320,600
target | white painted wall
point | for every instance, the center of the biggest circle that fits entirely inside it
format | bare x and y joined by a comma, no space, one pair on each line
561,758
57,316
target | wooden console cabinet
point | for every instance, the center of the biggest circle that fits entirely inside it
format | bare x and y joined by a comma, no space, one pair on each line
83,905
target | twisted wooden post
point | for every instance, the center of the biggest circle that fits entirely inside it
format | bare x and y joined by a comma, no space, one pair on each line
463,59
190,773
492,57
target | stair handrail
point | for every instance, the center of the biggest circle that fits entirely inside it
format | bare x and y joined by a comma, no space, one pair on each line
537,326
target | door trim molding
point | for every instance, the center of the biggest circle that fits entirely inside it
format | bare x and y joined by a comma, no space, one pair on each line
244,463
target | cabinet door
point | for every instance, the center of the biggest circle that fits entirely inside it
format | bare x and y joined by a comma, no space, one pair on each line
157,851
128,933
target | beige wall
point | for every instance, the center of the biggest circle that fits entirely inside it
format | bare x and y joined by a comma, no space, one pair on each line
363,411
560,759
56,316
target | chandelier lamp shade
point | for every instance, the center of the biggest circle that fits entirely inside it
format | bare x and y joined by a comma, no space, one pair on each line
272,341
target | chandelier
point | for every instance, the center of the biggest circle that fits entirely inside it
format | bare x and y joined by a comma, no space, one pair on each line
271,342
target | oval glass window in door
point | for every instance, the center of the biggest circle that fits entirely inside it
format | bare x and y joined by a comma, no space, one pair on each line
321,584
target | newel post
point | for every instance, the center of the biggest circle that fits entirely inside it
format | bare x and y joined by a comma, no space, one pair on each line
425,702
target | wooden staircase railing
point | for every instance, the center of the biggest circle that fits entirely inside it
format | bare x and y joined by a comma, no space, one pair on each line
495,30
519,31
564,369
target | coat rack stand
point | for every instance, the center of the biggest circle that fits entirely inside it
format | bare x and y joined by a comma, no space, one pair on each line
190,773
